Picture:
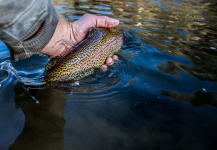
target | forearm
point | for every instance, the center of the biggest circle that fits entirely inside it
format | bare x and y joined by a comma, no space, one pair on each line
26,26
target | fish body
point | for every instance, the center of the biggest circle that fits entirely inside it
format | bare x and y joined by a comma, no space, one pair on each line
86,57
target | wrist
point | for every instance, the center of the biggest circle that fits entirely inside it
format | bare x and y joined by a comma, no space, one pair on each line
58,43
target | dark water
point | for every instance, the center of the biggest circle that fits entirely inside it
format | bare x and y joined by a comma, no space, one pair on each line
161,95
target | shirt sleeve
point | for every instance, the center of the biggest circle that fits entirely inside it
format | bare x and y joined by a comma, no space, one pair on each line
26,26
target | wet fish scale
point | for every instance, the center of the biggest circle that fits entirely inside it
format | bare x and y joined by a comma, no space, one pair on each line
86,57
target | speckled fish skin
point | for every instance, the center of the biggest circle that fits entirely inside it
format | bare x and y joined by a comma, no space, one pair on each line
86,57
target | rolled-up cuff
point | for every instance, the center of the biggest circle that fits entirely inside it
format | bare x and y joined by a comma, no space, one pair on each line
19,43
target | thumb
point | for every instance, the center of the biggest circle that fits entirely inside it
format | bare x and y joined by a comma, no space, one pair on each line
82,26
99,21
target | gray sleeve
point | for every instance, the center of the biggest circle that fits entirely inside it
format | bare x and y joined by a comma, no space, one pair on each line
26,26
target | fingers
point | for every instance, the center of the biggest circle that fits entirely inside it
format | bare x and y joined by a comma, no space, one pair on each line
103,68
82,26
109,62
100,21
106,22
115,57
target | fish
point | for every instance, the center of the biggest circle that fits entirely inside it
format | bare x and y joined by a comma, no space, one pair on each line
85,58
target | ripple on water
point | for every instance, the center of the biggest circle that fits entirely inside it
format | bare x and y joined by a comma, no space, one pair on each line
127,73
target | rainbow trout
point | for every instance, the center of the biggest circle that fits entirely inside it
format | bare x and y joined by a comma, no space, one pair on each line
86,57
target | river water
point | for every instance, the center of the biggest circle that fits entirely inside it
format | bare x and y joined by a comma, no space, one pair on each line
160,95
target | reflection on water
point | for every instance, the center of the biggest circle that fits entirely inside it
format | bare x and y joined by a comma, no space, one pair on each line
44,122
161,94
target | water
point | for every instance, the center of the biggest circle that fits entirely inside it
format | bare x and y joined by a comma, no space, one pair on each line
162,94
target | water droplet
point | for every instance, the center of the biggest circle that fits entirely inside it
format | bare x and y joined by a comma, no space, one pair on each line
212,48
76,83
204,89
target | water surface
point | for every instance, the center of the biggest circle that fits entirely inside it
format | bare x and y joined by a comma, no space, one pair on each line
161,94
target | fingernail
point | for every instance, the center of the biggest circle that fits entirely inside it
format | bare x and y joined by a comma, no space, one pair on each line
114,21
115,57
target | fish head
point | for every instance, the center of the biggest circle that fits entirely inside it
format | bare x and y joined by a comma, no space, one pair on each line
105,32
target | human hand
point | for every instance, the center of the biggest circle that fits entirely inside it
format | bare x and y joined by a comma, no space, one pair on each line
67,35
